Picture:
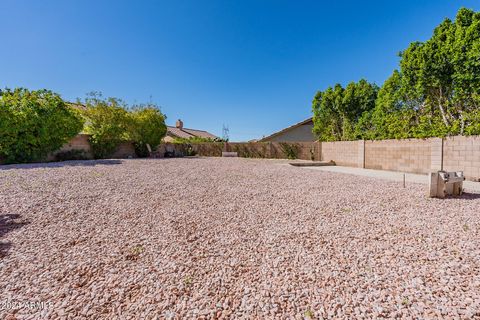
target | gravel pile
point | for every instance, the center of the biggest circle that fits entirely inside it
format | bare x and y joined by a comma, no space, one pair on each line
214,238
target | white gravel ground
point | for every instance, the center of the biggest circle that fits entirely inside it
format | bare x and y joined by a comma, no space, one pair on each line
230,238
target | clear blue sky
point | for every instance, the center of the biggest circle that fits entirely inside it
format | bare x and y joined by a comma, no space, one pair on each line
253,65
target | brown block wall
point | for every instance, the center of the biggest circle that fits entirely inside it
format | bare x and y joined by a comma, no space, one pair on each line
124,150
344,153
409,155
79,142
462,154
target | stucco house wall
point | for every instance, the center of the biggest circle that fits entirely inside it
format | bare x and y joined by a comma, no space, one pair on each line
301,133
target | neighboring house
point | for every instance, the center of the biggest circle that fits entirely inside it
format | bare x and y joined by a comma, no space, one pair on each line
180,132
300,132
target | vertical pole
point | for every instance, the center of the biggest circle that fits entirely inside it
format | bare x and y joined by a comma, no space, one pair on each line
441,156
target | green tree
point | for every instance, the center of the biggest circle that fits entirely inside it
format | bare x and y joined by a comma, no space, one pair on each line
34,123
436,91
442,77
337,110
107,122
147,126
392,117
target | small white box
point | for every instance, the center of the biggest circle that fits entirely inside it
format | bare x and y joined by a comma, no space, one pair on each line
229,154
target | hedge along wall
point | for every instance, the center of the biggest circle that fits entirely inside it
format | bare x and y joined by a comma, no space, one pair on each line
270,150
274,150
457,153
210,149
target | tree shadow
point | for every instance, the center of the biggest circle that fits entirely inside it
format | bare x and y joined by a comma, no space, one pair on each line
69,163
8,222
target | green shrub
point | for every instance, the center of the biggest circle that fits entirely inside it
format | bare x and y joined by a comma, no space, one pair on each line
189,151
107,122
141,150
196,140
34,123
147,126
291,150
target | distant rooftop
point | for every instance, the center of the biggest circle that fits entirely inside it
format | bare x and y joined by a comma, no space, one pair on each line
178,131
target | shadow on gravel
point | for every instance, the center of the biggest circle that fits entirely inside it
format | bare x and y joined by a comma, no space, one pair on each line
7,224
465,196
72,163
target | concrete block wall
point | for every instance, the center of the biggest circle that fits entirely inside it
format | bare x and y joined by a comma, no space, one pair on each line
79,142
344,153
457,153
462,154
124,150
409,155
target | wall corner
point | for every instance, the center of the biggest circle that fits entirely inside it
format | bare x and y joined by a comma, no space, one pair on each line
436,157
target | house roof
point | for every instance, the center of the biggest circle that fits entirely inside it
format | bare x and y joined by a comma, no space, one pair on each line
189,133
301,123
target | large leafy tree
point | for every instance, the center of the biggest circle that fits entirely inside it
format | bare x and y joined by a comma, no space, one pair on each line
110,121
107,122
438,83
436,91
147,126
337,110
33,124
393,115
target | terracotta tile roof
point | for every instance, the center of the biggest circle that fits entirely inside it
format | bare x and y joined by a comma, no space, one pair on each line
200,133
188,133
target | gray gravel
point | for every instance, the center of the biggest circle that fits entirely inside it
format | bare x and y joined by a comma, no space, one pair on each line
230,238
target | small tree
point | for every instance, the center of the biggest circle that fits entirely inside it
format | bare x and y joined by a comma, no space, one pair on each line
107,122
34,123
147,126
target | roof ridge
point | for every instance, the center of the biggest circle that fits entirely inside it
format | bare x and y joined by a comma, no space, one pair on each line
187,129
194,129
288,128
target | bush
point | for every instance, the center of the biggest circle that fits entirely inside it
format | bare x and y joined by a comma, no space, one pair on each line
107,122
182,150
34,123
291,150
196,140
147,126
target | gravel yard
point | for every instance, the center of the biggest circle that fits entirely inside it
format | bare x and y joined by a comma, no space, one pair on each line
230,238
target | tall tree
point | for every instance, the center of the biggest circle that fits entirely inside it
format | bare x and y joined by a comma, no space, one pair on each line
337,110
436,91
442,75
